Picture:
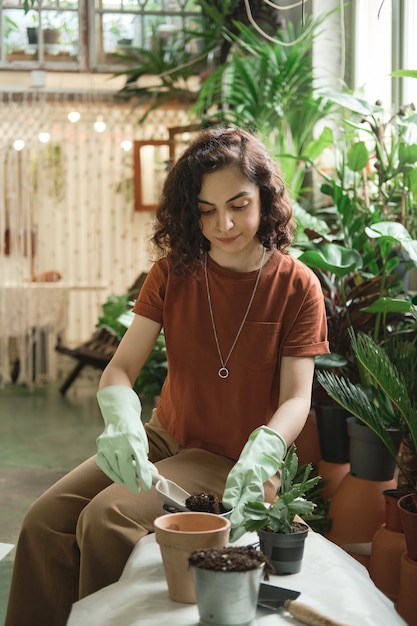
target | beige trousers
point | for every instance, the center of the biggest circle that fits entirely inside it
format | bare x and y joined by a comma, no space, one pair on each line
77,537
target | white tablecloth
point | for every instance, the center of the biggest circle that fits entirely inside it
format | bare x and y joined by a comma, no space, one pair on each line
331,581
32,315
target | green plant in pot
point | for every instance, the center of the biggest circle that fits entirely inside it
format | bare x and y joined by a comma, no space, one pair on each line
117,314
276,524
363,299
385,400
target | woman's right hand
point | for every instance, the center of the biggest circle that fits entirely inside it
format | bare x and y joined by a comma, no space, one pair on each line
123,446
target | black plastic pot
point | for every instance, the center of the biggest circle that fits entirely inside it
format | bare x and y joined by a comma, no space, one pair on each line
332,432
369,457
32,33
285,551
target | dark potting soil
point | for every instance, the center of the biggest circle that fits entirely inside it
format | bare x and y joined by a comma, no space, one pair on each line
296,527
231,559
204,503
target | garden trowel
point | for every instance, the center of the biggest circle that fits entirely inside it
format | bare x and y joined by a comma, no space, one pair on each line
273,598
170,493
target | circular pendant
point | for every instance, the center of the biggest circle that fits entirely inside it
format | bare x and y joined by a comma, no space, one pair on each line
223,372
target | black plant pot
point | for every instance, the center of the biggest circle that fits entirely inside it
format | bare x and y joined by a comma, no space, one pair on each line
332,432
284,551
369,457
32,33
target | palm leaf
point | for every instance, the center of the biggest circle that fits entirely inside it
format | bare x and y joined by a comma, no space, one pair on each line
356,400
387,400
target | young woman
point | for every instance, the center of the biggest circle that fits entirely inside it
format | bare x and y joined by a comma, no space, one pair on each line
243,321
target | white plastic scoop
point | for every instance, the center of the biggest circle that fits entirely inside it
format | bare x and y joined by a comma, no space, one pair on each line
170,493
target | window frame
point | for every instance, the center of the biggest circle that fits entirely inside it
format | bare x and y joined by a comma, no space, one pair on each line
89,57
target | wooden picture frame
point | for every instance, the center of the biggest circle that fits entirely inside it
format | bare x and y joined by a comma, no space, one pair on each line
151,161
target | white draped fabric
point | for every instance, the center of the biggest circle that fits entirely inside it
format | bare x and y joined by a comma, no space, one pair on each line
330,581
67,207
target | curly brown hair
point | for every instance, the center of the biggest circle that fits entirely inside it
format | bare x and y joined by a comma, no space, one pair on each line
178,233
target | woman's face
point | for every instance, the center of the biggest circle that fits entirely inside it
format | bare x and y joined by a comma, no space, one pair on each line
230,209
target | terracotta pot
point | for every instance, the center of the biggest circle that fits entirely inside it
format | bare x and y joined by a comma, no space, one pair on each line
407,597
284,551
178,534
51,35
384,568
227,598
332,475
392,511
409,523
356,512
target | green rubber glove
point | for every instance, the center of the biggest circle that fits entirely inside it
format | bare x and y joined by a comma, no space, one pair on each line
123,446
258,461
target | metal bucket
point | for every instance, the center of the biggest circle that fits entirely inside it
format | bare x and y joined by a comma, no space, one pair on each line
227,598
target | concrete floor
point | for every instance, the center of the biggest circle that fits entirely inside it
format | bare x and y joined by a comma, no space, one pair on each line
43,435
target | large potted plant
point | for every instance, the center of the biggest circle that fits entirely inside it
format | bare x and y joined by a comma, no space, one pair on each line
368,193
281,532
386,398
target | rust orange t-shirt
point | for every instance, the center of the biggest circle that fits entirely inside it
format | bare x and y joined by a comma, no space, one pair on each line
287,318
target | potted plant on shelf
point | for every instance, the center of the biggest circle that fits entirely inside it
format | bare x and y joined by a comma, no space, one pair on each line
279,531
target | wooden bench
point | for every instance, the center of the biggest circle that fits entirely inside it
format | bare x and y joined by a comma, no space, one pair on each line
97,351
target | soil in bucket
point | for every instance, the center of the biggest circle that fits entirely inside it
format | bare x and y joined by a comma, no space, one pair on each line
227,582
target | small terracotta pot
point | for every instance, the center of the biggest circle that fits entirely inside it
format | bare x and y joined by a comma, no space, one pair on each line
356,511
392,511
409,523
407,598
178,534
332,475
384,569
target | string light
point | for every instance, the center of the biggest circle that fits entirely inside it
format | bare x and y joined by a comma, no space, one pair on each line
74,116
19,144
126,145
44,137
99,126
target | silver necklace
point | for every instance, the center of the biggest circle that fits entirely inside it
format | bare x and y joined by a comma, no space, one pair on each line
223,371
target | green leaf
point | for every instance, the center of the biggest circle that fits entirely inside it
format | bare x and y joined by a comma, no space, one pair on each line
333,258
393,230
407,153
357,156
330,361
391,305
405,73
352,103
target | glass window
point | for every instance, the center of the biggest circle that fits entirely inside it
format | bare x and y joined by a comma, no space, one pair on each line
49,35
